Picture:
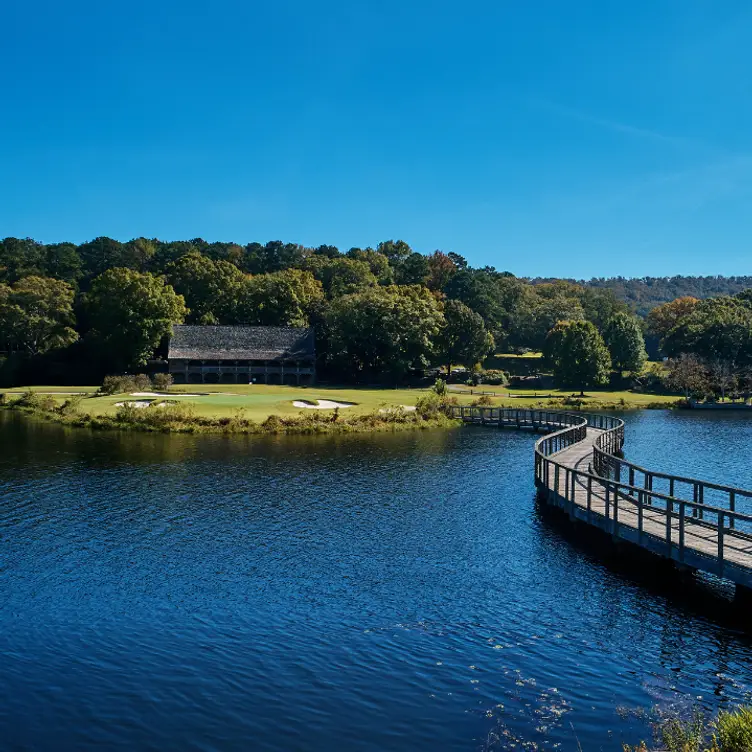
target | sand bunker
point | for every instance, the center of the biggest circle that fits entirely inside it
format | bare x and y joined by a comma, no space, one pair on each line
321,404
140,404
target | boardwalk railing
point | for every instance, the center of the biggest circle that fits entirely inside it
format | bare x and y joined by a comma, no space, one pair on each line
578,467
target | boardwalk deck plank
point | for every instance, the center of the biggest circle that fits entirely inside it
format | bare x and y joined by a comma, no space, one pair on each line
680,529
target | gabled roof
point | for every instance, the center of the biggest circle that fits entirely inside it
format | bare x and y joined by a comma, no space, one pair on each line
240,343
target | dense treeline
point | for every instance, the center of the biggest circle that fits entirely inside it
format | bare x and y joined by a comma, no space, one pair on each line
644,293
76,312
380,314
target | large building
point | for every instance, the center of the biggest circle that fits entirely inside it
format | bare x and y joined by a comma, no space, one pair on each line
242,355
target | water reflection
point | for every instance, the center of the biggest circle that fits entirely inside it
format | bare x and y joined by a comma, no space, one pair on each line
371,592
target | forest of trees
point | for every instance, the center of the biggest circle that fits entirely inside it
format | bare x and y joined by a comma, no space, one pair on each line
77,312
644,293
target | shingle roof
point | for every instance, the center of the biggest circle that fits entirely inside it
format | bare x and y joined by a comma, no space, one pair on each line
240,343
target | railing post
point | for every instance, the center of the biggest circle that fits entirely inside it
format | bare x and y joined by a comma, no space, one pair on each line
616,510
589,494
732,507
682,515
721,516
608,502
701,499
669,513
574,487
556,479
640,515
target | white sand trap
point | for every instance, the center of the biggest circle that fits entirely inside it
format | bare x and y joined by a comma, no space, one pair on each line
163,394
140,404
321,404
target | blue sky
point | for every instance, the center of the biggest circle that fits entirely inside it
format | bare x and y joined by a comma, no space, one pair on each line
582,138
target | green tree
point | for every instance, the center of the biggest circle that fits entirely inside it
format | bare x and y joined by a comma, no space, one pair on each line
718,328
600,305
64,262
330,251
340,276
394,250
211,289
623,337
411,270
382,331
285,298
36,315
663,318
578,354
104,253
21,258
463,339
131,313
687,374
538,308
377,262
478,289
272,257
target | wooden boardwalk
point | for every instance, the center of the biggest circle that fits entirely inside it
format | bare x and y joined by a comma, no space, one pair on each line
578,468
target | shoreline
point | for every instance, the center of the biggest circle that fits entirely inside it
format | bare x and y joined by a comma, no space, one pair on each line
329,411
169,420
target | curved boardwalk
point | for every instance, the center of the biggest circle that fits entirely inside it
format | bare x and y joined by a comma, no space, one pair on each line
578,467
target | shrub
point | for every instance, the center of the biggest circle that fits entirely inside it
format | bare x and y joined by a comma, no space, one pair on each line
125,384
156,418
71,406
495,377
440,387
428,405
36,401
272,424
733,731
117,385
142,383
684,736
484,401
3,398
162,381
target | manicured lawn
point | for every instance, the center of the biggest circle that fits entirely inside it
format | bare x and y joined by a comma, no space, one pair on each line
258,401
528,355
52,389
518,397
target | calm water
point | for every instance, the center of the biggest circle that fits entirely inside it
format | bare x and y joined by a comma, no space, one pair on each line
366,593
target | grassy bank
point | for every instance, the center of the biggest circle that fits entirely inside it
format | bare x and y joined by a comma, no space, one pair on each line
168,415
594,399
239,408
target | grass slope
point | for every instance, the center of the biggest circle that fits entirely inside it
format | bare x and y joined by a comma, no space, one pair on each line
258,402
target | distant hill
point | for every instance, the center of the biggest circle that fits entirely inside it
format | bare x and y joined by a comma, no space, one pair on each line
645,293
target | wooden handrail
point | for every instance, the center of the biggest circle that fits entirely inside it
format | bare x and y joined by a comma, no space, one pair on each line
602,482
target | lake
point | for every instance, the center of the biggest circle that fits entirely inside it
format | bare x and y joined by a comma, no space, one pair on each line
400,592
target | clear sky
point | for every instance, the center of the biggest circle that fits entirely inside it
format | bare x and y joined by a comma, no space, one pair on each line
581,138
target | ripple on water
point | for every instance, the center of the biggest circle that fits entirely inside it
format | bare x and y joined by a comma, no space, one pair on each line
385,592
